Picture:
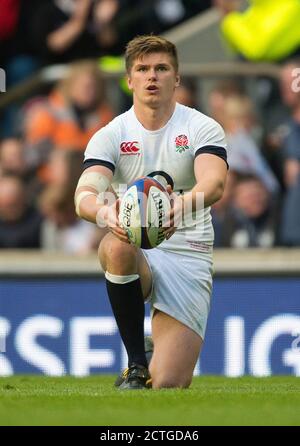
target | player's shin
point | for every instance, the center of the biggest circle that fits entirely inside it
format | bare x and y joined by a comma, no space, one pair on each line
126,299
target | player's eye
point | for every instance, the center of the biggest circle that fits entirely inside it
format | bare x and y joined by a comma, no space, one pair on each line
162,68
141,68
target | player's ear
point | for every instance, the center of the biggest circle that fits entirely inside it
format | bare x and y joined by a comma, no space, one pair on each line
129,83
177,80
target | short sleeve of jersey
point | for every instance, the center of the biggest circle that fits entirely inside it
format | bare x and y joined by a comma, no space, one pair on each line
102,148
209,137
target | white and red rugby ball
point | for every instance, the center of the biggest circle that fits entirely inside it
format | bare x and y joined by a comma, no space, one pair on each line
143,210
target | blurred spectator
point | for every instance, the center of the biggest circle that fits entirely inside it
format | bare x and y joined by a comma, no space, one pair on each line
282,103
105,21
274,115
62,230
17,57
244,156
172,12
251,219
64,169
226,6
291,150
13,162
8,18
68,30
20,223
157,16
69,117
218,95
187,93
220,208
15,24
235,110
12,159
288,99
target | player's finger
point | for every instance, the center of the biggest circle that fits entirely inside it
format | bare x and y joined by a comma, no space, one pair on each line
170,226
171,213
169,229
113,220
169,189
168,219
113,223
120,231
117,206
120,236
169,233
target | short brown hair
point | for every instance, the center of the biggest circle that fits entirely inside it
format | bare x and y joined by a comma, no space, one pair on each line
142,45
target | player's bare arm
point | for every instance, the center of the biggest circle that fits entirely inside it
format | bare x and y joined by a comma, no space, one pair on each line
210,172
94,182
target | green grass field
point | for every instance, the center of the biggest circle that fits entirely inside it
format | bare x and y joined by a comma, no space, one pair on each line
32,400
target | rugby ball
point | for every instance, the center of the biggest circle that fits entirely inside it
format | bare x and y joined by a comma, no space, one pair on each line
143,210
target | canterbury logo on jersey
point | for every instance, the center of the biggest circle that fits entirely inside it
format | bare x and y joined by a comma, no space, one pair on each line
130,148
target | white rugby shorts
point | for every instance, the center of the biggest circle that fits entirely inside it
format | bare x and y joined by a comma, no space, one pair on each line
181,287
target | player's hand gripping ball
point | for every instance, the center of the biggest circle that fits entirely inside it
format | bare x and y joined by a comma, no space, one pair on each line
143,211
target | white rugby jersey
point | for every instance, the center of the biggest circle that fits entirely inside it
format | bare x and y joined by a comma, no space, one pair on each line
131,151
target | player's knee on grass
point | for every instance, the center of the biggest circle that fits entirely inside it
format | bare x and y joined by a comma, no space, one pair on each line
116,256
165,381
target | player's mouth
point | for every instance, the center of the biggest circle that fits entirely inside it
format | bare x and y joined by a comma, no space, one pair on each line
152,88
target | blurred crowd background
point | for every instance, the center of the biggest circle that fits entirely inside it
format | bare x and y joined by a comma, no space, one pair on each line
43,137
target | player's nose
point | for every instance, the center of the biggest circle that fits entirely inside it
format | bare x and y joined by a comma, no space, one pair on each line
152,74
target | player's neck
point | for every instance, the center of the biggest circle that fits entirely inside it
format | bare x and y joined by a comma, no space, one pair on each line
154,118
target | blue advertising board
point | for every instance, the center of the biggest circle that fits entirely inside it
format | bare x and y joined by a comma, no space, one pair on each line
65,326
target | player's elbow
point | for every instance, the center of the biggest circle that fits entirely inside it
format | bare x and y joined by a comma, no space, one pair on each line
76,204
77,211
218,191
